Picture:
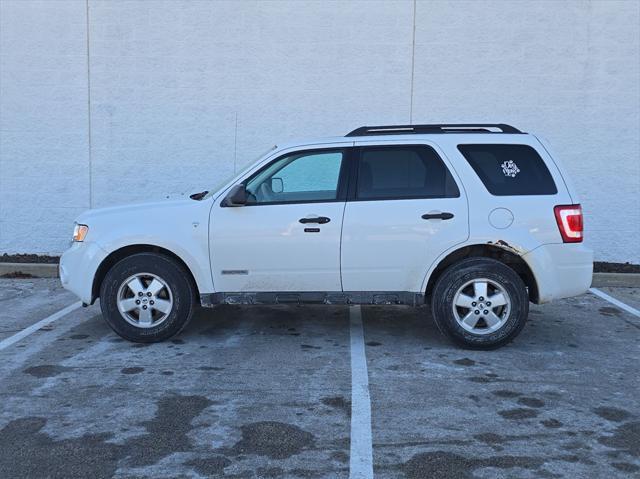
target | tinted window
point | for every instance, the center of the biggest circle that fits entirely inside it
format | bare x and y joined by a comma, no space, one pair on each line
509,170
403,172
307,176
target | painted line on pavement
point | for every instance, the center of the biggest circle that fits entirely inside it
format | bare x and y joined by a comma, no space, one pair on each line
5,343
613,300
361,454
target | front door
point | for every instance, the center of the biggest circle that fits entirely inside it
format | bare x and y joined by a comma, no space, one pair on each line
287,236
403,212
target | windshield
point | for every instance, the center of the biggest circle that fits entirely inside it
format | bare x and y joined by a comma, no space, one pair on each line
246,168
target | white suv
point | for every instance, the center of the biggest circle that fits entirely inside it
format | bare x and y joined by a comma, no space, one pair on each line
476,220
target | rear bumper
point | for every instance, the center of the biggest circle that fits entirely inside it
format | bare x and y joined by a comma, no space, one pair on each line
561,270
78,266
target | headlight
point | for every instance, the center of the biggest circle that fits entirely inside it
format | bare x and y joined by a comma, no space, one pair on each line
79,232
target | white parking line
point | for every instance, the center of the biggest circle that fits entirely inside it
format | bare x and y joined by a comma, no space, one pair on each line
612,300
5,343
361,457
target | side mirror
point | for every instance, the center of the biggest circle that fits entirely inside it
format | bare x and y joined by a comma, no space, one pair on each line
237,196
277,185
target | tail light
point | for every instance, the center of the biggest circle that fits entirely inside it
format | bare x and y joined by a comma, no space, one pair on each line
569,219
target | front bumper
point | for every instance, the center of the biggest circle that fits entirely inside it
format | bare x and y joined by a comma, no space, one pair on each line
561,270
78,266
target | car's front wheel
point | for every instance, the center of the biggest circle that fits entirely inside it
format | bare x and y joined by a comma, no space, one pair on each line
147,297
480,303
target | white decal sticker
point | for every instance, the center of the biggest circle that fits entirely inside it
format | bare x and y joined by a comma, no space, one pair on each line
509,168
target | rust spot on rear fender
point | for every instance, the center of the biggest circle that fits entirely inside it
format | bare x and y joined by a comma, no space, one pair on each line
506,246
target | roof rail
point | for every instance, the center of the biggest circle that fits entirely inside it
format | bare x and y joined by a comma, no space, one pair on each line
423,129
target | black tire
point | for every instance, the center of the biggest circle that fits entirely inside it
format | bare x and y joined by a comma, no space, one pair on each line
459,274
172,273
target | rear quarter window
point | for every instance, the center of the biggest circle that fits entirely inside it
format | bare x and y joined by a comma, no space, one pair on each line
510,170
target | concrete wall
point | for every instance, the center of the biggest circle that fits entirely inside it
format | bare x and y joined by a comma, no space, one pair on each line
106,102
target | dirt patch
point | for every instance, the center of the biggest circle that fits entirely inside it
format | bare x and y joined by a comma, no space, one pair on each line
604,267
482,379
17,275
29,258
625,467
505,393
531,402
272,472
491,438
612,413
79,336
133,370
518,413
464,362
309,346
45,370
551,423
609,311
210,466
276,440
26,451
340,456
626,438
168,431
444,464
338,402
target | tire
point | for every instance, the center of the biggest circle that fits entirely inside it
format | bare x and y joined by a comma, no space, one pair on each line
459,282
153,280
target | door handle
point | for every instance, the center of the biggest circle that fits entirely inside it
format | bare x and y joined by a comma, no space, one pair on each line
316,219
437,216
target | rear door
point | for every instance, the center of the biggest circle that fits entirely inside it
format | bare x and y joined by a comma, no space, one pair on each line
405,208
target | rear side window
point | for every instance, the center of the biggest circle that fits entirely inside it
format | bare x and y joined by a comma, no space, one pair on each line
510,170
402,172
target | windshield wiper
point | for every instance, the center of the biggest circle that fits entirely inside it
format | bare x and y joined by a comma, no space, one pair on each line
199,196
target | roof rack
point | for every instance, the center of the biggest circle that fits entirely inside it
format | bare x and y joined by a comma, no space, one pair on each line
423,129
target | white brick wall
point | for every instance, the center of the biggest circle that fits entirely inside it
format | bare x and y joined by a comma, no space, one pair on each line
169,81
43,123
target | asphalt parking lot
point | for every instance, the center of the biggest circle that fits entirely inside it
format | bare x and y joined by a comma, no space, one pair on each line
266,392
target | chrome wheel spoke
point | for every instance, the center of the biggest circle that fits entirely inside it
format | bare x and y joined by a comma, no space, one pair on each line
135,285
471,319
162,305
491,319
145,317
480,289
498,299
126,305
464,301
155,287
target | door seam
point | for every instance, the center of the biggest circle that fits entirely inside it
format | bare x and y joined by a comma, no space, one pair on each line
344,211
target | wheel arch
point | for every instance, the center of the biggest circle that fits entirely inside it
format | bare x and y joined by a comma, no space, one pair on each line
129,250
499,253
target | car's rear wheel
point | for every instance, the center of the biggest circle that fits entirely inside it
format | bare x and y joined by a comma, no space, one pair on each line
480,303
147,297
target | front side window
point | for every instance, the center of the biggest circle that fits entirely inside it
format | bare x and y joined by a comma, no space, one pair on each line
510,170
402,172
300,177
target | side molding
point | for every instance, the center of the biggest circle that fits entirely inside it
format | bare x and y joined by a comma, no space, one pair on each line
320,297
